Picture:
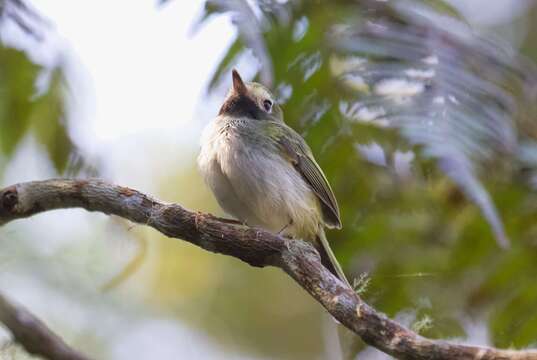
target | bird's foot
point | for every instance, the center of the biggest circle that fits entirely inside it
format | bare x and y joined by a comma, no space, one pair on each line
284,228
229,221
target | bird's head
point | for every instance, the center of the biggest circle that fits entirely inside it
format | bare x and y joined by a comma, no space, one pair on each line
250,100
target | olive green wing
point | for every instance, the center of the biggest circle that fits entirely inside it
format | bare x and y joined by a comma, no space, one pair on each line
300,155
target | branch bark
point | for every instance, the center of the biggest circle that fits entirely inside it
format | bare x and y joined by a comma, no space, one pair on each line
253,246
33,334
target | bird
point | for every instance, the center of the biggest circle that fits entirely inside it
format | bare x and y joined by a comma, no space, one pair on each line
263,173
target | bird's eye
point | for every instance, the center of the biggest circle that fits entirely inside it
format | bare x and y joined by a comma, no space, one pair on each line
267,104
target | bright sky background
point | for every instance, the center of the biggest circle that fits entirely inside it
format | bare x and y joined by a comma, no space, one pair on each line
137,75
137,67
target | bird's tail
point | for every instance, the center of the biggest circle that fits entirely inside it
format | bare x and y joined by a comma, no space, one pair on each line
328,259
349,343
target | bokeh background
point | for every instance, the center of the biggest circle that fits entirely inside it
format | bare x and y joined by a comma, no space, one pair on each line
421,113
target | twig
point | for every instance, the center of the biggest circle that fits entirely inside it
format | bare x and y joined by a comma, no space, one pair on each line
33,334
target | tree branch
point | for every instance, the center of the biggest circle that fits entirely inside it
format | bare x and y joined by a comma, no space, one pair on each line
254,246
33,334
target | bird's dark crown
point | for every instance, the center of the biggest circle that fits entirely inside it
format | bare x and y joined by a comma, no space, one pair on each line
247,99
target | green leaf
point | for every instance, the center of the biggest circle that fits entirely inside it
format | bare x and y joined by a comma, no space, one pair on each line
48,119
21,111
17,77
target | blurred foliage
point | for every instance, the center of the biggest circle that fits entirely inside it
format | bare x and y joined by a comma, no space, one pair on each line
427,133
25,109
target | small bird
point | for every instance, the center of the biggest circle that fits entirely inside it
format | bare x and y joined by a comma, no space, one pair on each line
263,173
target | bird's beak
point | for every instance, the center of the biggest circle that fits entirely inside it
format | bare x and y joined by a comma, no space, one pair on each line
238,84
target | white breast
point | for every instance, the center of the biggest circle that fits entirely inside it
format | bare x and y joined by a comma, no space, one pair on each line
256,184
